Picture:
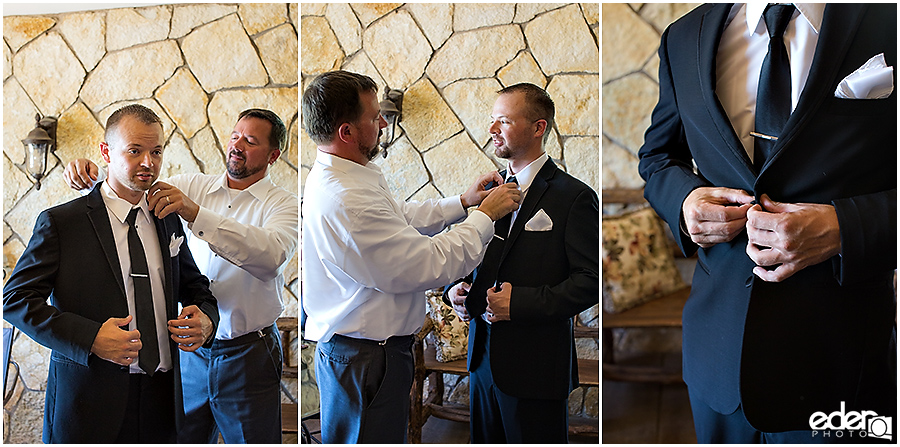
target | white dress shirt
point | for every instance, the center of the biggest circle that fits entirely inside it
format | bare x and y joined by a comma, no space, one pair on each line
242,240
366,258
742,49
118,210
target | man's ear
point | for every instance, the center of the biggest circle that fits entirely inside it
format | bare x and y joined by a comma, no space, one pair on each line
540,128
104,151
273,157
346,133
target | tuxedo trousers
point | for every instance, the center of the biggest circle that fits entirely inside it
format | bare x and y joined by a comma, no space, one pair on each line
715,428
499,418
150,412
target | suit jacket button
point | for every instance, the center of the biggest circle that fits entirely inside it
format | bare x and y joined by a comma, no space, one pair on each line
749,281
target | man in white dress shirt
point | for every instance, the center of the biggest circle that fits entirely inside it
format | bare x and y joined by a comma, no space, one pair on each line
243,234
367,258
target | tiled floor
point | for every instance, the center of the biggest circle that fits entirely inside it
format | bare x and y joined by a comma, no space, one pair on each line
646,413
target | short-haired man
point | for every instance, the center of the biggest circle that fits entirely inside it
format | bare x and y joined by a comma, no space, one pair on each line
539,271
367,259
243,234
114,274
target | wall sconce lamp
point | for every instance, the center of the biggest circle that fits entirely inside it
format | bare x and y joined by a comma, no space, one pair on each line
39,142
391,108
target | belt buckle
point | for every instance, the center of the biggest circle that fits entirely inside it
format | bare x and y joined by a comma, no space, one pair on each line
383,342
260,333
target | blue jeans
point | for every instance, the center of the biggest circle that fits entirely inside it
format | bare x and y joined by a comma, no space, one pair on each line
233,387
364,389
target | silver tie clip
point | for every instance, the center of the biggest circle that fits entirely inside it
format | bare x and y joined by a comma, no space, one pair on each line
139,275
762,135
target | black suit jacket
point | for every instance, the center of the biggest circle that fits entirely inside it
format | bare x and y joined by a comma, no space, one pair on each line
785,350
553,276
72,259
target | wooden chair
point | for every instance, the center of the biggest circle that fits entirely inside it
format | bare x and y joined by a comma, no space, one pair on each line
426,365
664,312
289,411
9,335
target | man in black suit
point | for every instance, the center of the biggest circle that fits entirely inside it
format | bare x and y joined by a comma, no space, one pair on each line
539,271
792,309
114,275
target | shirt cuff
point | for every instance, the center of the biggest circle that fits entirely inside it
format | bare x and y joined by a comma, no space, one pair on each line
452,208
204,224
483,224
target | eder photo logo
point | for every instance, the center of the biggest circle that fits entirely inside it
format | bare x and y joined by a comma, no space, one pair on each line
860,424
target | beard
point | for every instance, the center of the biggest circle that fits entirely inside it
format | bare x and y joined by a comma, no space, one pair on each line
238,169
135,183
371,152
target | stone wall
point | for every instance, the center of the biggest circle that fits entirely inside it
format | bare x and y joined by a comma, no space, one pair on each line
195,65
450,60
631,34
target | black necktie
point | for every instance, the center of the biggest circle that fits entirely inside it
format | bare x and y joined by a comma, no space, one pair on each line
148,359
501,228
490,265
773,97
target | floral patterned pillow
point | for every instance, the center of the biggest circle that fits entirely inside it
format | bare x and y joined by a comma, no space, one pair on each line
637,261
450,335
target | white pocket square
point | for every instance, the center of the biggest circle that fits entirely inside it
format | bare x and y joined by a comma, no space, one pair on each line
539,222
873,80
175,245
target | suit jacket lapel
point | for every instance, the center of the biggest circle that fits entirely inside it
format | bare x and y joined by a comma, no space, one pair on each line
161,232
711,27
528,208
99,218
839,23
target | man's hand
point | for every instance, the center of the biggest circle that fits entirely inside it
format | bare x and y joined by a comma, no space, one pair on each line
190,329
498,302
115,344
165,199
501,201
791,236
714,215
81,173
457,295
476,193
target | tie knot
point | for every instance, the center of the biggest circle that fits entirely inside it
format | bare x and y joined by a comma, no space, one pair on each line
512,179
132,216
777,17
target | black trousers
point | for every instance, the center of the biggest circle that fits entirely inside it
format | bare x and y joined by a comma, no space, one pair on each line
717,428
150,413
498,418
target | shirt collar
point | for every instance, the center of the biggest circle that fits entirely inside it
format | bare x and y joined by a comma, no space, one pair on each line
370,173
258,190
526,175
121,207
812,12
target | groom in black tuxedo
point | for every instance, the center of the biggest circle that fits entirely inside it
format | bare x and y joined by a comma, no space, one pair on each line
787,186
114,275
539,271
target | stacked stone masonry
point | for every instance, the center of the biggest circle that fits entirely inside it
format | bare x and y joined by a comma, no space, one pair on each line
631,34
195,65
450,60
